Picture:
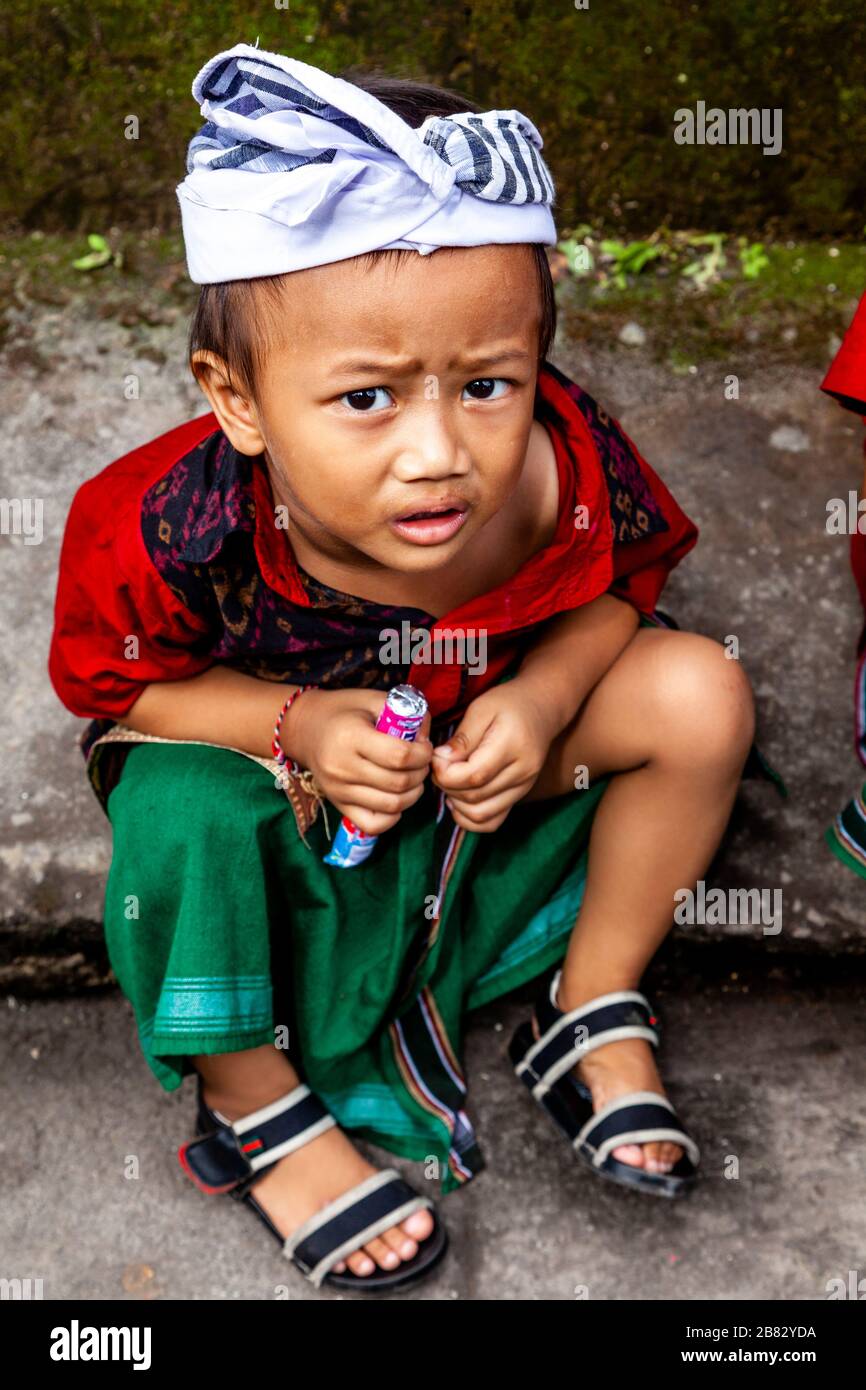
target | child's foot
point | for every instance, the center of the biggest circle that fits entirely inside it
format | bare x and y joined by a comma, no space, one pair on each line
303,1182
614,1070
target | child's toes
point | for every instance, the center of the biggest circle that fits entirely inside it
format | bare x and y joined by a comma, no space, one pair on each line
419,1225
660,1158
401,1244
360,1263
385,1257
630,1153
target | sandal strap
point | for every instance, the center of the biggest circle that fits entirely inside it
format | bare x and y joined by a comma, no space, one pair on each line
642,1117
607,1018
350,1221
230,1158
549,1014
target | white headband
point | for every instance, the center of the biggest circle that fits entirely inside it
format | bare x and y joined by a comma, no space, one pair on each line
296,168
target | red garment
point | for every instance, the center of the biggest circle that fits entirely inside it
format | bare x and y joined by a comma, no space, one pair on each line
846,380
174,545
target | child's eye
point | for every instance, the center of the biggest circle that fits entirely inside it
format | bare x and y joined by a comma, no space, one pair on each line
362,402
488,386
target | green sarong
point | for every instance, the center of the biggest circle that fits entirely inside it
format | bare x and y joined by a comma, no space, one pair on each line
224,928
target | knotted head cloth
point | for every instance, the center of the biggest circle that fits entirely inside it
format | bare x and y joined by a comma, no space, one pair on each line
295,168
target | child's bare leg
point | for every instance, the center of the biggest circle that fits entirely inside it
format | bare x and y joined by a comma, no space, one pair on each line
673,717
301,1183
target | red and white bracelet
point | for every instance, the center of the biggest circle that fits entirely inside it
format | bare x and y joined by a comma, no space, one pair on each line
286,764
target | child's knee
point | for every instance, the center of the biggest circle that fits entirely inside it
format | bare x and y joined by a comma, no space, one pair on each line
707,699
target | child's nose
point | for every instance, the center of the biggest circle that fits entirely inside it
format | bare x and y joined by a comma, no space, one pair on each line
431,444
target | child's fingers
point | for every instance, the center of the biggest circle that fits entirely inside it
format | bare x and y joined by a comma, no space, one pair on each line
371,822
386,803
478,817
507,778
375,812
480,767
370,774
476,751
393,754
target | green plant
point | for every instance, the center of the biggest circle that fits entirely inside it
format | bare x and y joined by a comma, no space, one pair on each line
629,258
752,258
100,254
577,253
708,267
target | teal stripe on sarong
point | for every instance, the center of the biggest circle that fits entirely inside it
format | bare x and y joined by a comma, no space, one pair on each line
550,927
222,1002
372,1107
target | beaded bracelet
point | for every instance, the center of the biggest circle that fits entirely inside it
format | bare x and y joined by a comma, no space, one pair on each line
286,764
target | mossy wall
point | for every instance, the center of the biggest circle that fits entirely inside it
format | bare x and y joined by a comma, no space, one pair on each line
602,84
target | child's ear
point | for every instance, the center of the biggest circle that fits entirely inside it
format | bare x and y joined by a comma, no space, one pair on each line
237,416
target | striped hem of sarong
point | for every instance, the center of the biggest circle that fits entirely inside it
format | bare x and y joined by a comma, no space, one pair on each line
846,837
213,1004
434,1079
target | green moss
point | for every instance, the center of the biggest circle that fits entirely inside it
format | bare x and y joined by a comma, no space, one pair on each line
791,311
150,276
602,85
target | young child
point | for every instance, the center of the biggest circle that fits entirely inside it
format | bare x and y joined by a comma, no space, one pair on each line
846,380
375,316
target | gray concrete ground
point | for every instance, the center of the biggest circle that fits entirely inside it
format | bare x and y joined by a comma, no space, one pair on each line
773,1078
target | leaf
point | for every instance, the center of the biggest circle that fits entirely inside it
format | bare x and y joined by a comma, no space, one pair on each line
753,260
705,268
715,239
641,257
100,254
93,261
630,258
579,256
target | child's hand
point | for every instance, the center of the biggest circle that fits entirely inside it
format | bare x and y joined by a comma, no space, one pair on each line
369,776
501,745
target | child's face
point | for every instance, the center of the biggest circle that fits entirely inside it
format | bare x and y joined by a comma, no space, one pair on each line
396,386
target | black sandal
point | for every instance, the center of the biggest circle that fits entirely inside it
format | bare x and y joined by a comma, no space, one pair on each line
233,1157
545,1066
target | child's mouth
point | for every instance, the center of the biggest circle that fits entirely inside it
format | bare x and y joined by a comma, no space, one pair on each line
430,528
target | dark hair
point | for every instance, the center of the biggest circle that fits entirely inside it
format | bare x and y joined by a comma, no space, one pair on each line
235,319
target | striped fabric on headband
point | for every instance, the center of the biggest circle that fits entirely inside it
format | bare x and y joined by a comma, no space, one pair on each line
294,167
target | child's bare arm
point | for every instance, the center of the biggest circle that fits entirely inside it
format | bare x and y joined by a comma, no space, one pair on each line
370,777
573,653
218,706
495,755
